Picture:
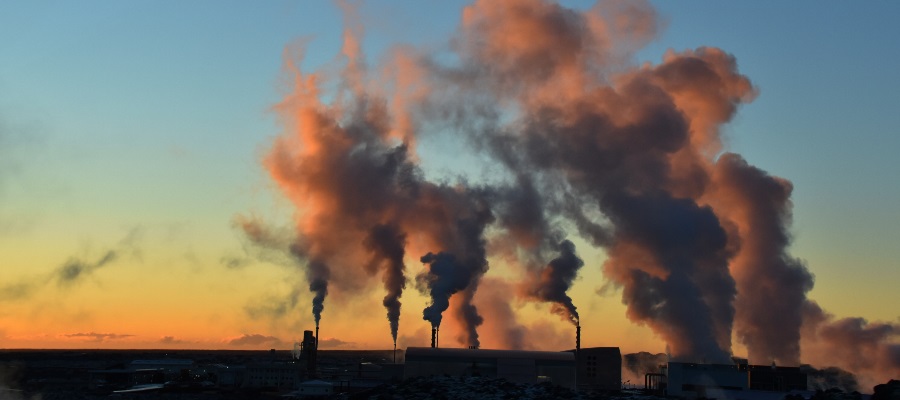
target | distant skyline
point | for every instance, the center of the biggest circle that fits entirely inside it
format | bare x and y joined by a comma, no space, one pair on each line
132,137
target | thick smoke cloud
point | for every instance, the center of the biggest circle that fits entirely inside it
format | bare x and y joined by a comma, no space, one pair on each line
358,192
868,349
552,283
586,146
830,378
670,259
759,209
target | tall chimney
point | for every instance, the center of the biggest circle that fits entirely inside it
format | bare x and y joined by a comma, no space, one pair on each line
577,337
433,336
438,340
395,352
317,336
308,348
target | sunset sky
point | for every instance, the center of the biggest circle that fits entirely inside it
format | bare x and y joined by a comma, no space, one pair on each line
133,134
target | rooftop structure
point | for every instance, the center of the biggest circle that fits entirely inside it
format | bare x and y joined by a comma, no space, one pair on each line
517,366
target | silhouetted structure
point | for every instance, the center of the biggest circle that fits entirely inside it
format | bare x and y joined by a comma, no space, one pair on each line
273,375
518,366
776,379
577,337
655,383
308,349
599,368
704,380
711,380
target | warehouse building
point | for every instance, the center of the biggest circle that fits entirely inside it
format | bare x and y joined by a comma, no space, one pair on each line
519,366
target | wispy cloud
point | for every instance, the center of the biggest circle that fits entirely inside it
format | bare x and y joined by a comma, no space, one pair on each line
97,337
254,340
17,290
171,340
73,270
261,242
331,343
274,306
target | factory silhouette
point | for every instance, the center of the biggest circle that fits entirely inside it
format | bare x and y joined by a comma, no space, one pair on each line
586,148
587,370
583,148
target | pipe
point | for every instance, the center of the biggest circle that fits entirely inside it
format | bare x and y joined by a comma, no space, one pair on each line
577,337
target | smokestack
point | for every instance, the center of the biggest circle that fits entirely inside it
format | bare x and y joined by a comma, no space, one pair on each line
309,349
317,336
577,337
438,337
395,352
433,337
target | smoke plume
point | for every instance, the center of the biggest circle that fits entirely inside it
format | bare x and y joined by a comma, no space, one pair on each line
636,365
551,283
758,208
353,183
387,242
868,349
72,271
584,144
830,378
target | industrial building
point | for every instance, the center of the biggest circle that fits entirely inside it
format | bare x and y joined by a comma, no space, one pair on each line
598,368
704,380
776,379
693,380
278,375
517,366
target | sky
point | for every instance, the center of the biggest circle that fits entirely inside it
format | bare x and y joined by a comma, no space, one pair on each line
133,134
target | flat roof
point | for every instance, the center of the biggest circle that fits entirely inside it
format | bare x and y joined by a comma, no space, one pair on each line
413,352
173,361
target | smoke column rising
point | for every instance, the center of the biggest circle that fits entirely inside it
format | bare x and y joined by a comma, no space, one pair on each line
628,158
551,283
759,207
387,243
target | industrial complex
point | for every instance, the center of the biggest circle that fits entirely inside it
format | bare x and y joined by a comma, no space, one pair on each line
308,372
586,370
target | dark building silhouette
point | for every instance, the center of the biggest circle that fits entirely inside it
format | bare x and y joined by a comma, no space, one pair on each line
599,368
714,380
776,379
308,349
519,366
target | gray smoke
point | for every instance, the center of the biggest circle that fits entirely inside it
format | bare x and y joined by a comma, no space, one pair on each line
868,349
317,274
636,365
829,378
619,161
758,205
387,243
72,271
680,285
468,314
629,158
552,283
